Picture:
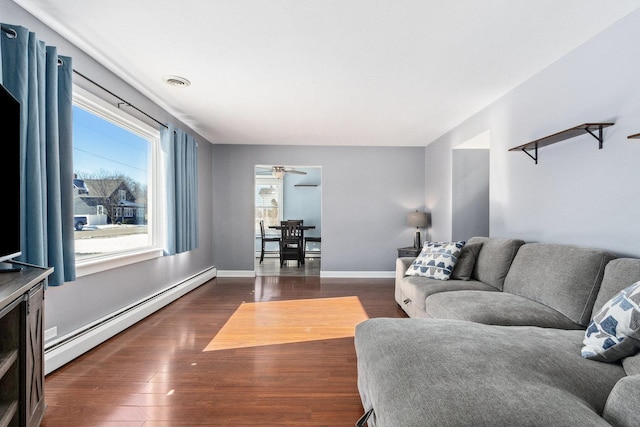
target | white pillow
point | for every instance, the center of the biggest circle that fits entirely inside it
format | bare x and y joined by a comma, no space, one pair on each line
614,331
436,261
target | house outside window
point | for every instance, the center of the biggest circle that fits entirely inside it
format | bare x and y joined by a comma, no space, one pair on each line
115,157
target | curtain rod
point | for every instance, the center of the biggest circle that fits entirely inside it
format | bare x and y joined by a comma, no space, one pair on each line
13,34
123,102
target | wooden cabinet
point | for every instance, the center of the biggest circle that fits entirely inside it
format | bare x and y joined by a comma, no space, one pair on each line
21,347
10,364
34,355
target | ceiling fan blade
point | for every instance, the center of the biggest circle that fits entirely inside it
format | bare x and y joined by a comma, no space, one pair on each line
277,171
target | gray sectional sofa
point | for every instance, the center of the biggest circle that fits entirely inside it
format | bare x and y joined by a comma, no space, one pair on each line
501,344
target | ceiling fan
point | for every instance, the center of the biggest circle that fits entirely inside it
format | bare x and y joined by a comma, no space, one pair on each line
279,171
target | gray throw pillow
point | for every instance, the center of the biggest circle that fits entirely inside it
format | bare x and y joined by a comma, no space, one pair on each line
466,262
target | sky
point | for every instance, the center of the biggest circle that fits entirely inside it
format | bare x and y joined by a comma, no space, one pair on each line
99,145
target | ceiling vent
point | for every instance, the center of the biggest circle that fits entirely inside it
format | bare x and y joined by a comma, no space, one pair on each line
177,81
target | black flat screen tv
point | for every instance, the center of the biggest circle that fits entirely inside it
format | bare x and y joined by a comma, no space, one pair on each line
10,176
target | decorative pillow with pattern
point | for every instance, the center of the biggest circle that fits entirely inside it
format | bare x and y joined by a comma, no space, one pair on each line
614,331
437,260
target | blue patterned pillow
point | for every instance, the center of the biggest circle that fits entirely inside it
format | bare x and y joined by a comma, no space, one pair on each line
436,261
614,331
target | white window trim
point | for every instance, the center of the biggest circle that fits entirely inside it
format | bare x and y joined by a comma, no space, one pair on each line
100,107
116,260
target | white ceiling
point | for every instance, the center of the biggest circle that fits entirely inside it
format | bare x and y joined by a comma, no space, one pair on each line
333,72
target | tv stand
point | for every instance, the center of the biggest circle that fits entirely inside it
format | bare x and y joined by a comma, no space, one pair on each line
21,346
9,267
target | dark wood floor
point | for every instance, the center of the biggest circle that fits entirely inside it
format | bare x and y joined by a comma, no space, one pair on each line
271,267
157,374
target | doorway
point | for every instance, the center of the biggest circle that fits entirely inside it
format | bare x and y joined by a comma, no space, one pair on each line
284,192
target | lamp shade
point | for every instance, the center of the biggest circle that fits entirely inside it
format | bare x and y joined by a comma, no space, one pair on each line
417,219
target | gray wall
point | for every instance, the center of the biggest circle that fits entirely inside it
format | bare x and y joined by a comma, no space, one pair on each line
366,195
576,194
76,304
304,202
470,193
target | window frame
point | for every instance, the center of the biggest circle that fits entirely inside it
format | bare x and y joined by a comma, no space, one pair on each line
101,108
271,181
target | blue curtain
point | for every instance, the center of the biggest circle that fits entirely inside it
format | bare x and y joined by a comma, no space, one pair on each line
181,190
42,82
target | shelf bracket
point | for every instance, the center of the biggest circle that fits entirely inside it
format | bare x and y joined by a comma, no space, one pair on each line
598,137
535,152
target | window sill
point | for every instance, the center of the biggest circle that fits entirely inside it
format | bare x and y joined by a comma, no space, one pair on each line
109,262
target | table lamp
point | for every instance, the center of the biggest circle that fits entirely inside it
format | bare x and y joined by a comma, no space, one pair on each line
418,220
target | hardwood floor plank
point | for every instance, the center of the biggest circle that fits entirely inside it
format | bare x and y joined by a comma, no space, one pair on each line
157,374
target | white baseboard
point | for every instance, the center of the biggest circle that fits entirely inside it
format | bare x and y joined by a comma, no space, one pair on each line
359,274
328,274
78,342
236,273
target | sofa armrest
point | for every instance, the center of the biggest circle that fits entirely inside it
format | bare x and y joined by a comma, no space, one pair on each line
402,264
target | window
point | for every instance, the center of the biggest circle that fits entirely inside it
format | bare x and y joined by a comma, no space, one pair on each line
268,200
114,156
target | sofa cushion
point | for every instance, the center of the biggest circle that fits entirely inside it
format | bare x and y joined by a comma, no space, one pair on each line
466,261
494,259
417,289
434,372
622,405
495,308
564,277
614,332
436,260
631,364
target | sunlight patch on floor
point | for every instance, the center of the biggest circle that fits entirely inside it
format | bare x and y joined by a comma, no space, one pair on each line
282,322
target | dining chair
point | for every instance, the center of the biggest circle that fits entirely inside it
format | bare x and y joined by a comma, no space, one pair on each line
264,240
291,244
302,238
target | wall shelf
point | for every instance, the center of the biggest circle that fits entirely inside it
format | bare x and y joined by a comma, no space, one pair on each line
593,129
636,136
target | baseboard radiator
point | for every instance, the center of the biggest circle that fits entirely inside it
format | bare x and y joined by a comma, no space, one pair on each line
64,349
